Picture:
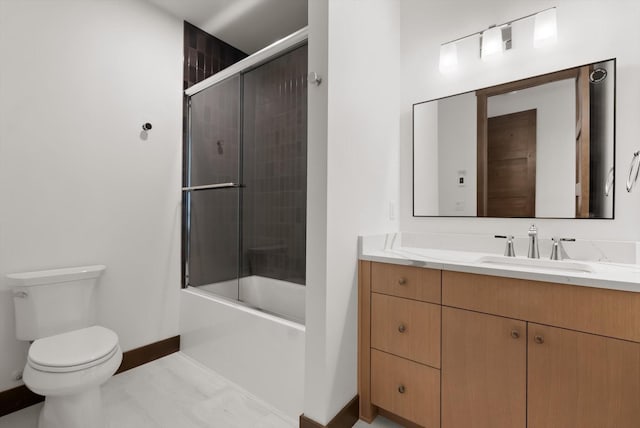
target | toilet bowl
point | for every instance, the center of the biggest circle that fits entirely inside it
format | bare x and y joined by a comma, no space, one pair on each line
69,369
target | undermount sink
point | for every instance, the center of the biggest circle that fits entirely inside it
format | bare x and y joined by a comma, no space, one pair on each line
557,265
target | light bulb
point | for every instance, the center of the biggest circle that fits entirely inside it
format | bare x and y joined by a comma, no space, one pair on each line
448,58
546,28
492,42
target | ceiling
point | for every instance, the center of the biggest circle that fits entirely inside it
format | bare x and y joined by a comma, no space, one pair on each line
248,25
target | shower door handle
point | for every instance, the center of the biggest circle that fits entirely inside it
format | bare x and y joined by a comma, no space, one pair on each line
211,186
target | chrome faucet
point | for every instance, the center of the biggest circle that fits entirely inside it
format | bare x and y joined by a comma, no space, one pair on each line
534,253
508,250
557,250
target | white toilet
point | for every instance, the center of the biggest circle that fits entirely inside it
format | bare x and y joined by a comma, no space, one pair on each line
70,357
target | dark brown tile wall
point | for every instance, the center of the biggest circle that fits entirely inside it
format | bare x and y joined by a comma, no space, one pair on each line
205,55
275,168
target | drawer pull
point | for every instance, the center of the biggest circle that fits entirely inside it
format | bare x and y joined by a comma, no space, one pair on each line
402,328
402,281
539,339
515,334
401,389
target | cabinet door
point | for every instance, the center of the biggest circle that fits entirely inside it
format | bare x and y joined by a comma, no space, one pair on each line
484,367
579,380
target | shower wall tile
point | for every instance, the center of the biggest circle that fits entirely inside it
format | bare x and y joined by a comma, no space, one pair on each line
275,168
205,55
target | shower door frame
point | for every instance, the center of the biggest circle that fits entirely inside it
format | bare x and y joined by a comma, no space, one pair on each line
263,56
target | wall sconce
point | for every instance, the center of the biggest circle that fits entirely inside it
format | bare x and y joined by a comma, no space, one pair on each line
497,39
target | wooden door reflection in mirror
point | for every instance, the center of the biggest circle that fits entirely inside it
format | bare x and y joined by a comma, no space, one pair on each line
506,168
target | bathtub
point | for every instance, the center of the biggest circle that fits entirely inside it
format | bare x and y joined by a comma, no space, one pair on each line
258,344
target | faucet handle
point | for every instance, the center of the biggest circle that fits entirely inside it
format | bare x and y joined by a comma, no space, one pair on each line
509,251
558,239
557,250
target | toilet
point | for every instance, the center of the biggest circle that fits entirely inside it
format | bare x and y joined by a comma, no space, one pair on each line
70,357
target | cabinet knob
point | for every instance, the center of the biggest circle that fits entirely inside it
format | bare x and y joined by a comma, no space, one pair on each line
538,339
402,328
402,281
401,389
515,334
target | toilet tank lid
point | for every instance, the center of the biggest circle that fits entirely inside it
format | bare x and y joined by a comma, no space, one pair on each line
52,276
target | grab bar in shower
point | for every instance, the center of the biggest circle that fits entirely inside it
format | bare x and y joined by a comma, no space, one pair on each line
211,186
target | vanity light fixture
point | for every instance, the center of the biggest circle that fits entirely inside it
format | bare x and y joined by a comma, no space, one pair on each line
497,39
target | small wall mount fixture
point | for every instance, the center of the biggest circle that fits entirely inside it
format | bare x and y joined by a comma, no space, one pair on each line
144,134
497,38
314,78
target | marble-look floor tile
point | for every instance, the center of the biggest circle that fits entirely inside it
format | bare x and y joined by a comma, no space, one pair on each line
25,418
379,422
171,392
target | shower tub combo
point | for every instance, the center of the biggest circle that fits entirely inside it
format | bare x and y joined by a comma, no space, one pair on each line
244,227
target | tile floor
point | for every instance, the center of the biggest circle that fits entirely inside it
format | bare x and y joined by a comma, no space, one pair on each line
177,392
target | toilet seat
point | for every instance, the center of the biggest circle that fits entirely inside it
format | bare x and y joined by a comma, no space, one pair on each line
73,351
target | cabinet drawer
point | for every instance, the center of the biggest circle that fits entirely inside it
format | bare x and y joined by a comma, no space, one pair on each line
407,328
407,389
406,281
593,310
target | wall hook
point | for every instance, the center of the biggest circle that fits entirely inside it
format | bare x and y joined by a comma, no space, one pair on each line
146,126
314,78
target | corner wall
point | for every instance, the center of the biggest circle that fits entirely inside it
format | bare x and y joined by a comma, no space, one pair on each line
353,163
78,183
588,31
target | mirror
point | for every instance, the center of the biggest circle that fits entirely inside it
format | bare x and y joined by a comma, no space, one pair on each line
539,147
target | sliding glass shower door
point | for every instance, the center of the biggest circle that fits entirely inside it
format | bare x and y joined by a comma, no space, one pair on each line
245,186
212,192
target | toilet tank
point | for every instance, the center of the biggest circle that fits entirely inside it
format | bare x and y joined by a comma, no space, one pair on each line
54,301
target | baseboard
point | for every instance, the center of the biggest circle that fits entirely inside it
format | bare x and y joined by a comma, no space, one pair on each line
144,354
17,398
21,397
346,418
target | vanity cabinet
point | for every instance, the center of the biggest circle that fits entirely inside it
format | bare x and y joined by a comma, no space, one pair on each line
450,349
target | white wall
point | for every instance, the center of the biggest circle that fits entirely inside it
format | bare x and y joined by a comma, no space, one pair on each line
77,183
457,138
588,31
361,86
555,105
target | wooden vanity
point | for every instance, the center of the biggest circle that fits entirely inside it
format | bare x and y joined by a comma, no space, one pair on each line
459,350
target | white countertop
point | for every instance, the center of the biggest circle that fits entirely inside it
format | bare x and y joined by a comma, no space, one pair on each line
614,276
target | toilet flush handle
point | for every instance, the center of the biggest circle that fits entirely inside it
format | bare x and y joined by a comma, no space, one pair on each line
21,294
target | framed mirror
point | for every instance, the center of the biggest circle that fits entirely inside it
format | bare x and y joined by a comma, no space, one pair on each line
540,147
